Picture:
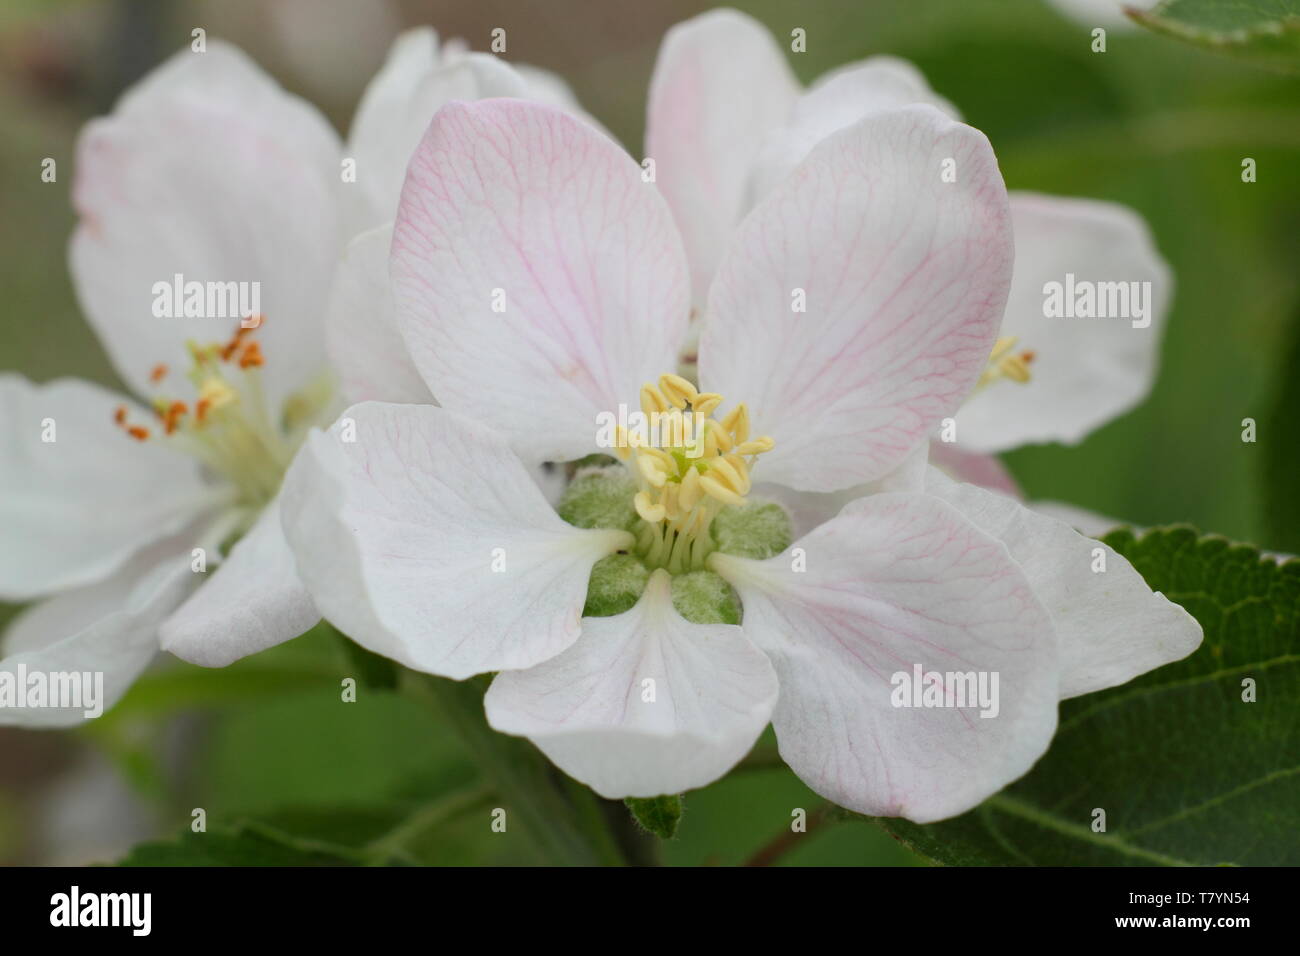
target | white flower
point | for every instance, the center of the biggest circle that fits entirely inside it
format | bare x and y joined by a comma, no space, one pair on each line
727,120
426,540
209,170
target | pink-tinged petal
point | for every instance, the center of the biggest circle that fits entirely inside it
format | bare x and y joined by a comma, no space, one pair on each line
426,540
894,582
395,112
721,85
1085,371
808,509
74,509
836,100
209,171
518,206
365,346
903,277
987,471
1110,625
110,628
645,703
253,601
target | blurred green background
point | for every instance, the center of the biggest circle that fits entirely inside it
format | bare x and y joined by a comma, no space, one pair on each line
1151,123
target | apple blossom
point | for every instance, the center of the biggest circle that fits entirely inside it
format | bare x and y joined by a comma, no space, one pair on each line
205,168
727,121
645,634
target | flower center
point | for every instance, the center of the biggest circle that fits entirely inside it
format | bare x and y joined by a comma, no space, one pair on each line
1005,364
688,467
228,426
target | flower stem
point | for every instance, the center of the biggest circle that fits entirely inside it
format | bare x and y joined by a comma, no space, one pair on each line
564,820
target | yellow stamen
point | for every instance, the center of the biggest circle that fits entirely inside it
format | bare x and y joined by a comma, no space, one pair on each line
689,468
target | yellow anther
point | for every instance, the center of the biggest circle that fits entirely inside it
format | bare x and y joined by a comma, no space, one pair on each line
725,473
715,489
756,446
652,402
706,403
1005,364
650,512
651,470
669,501
690,466
215,393
677,390
736,421
742,469
690,491
622,443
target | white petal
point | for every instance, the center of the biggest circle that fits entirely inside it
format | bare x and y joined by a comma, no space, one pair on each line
898,581
837,100
1110,625
396,110
903,277
253,601
1086,522
987,471
109,628
208,170
721,85
74,509
645,703
427,541
365,346
517,204
1086,371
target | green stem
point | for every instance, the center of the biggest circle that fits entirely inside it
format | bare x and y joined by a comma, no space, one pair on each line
564,820
395,842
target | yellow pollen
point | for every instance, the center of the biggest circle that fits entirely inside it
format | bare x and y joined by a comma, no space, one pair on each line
1006,365
229,430
688,466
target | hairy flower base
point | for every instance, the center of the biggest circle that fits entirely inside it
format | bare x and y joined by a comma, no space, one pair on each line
601,497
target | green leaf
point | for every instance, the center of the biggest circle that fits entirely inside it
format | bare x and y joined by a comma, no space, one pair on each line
1187,771
658,815
244,844
1267,32
1279,452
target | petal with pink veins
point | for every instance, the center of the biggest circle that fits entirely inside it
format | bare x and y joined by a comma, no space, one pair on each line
894,581
644,703
210,171
1111,626
902,276
720,87
839,99
426,540
539,281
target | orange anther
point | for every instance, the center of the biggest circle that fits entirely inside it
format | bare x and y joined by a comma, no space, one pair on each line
251,357
158,374
1028,355
201,409
138,433
119,415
